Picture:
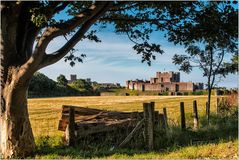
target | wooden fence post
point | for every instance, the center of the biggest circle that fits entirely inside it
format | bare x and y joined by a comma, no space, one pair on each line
195,112
153,108
156,118
165,117
207,112
70,130
182,112
217,105
206,108
149,125
146,119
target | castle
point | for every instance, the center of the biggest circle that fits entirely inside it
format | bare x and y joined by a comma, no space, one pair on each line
164,82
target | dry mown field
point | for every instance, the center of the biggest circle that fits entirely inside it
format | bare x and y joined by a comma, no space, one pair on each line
45,112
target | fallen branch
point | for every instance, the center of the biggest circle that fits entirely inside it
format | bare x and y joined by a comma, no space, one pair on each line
130,136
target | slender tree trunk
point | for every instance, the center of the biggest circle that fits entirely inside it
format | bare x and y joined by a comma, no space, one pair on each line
16,136
210,84
209,103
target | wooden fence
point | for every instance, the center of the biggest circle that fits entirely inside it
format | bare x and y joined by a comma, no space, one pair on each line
82,121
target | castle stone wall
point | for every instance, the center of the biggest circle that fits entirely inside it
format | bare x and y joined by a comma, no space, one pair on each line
164,81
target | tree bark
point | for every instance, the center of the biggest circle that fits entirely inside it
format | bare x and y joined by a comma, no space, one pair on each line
209,103
16,136
210,84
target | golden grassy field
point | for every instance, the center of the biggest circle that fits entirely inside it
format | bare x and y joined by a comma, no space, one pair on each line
45,112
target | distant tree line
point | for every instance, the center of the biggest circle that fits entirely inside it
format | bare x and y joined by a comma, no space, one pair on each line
42,86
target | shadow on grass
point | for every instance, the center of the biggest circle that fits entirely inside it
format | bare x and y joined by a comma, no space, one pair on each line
222,128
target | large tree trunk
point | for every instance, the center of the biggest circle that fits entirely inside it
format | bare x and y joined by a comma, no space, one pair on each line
16,139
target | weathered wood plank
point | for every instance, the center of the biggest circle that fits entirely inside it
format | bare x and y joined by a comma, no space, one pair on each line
195,115
70,131
85,129
182,113
165,117
132,133
90,115
151,127
81,110
146,117
217,106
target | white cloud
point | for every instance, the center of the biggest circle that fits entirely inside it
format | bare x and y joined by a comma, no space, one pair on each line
114,60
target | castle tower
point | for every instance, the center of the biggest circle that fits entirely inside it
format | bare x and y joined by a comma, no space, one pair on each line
73,77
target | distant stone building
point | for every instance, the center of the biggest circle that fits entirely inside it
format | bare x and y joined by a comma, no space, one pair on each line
164,81
73,78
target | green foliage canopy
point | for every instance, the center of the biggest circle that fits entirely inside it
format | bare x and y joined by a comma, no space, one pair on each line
42,86
41,83
210,37
61,79
82,85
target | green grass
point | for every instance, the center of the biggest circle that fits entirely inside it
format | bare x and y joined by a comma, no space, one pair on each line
218,140
221,149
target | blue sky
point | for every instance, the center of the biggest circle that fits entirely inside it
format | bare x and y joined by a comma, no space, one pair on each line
114,60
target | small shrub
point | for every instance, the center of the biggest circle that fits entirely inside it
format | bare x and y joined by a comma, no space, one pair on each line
165,93
227,105
47,141
197,93
185,93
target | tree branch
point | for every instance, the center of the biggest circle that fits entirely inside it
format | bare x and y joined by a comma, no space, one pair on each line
137,20
117,7
26,32
61,7
219,64
55,7
131,38
56,56
210,69
204,68
66,27
39,58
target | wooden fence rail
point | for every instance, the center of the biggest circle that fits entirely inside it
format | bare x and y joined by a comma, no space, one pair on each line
82,121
